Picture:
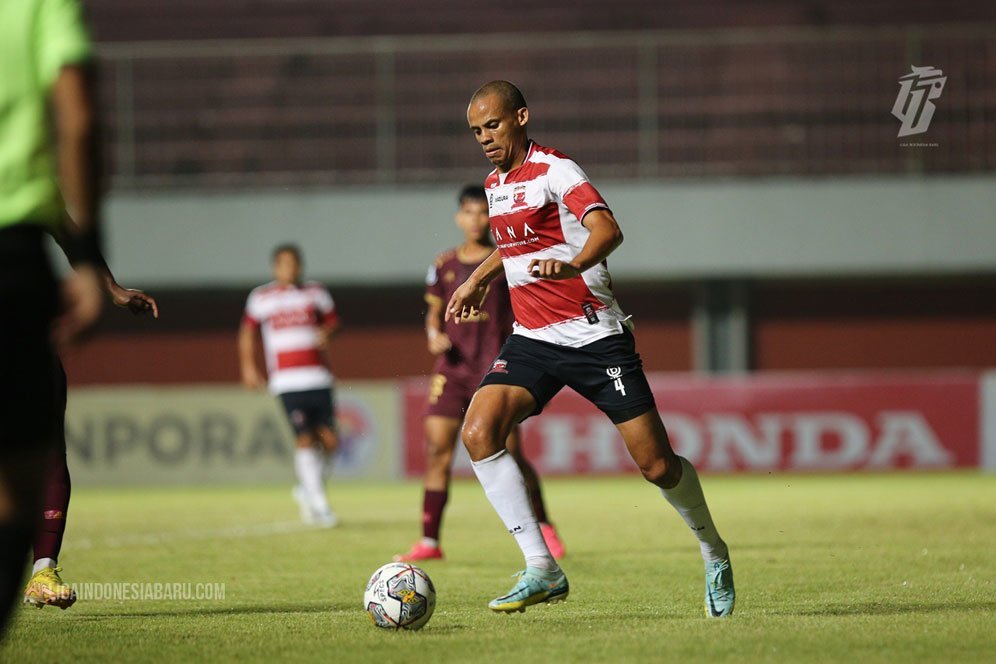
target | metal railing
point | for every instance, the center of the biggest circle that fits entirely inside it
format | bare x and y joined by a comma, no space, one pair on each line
799,101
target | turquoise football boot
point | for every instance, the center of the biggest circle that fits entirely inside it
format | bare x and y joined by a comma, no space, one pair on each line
534,586
719,593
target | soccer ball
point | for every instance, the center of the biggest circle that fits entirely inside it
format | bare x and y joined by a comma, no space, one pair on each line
399,596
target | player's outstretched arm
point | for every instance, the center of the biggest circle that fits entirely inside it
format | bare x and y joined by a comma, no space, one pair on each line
604,238
467,299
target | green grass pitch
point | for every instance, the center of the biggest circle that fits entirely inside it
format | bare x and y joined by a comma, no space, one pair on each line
829,568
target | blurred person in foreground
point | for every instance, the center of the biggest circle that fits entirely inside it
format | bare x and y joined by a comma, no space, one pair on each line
45,83
45,587
464,354
554,233
297,320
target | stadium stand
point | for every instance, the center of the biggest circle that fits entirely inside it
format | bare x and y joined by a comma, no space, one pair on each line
800,101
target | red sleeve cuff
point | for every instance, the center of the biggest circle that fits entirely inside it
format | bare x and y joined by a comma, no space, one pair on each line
582,199
249,320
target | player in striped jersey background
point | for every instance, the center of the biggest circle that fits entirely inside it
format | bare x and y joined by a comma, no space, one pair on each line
297,320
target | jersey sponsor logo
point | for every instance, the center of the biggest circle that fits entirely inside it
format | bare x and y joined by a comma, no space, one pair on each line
514,234
499,366
54,514
449,277
589,313
615,373
496,199
519,196
292,318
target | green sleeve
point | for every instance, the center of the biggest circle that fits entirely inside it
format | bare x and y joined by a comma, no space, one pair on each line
61,38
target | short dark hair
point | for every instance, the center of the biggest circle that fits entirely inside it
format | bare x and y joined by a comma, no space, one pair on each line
472,192
288,248
510,95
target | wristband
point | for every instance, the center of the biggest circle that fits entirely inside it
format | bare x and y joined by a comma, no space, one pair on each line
83,249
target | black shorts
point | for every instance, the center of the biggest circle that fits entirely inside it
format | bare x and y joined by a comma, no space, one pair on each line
28,303
607,372
309,409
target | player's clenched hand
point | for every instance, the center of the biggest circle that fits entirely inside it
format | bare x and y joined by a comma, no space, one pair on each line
551,268
134,300
466,300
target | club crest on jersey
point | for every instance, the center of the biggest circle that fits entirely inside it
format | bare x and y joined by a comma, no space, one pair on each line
500,366
519,196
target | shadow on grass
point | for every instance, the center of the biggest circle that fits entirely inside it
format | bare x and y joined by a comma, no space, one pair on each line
441,627
884,609
249,609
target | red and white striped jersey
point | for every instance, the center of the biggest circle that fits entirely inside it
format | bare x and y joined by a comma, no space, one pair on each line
536,212
290,317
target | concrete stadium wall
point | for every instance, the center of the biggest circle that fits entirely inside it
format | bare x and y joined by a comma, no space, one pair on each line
675,230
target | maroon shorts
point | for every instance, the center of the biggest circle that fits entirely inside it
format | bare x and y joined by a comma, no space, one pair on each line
450,393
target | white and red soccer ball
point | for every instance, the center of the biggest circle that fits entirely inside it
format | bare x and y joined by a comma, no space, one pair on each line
399,596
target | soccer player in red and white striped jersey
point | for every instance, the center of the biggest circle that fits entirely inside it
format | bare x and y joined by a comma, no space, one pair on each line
297,320
554,233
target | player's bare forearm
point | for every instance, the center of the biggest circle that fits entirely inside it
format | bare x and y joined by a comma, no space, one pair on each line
247,342
488,270
467,299
325,334
77,153
247,355
434,318
603,239
330,330
77,148
437,339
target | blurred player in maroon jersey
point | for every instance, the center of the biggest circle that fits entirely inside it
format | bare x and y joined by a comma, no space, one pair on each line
46,588
465,352
297,319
